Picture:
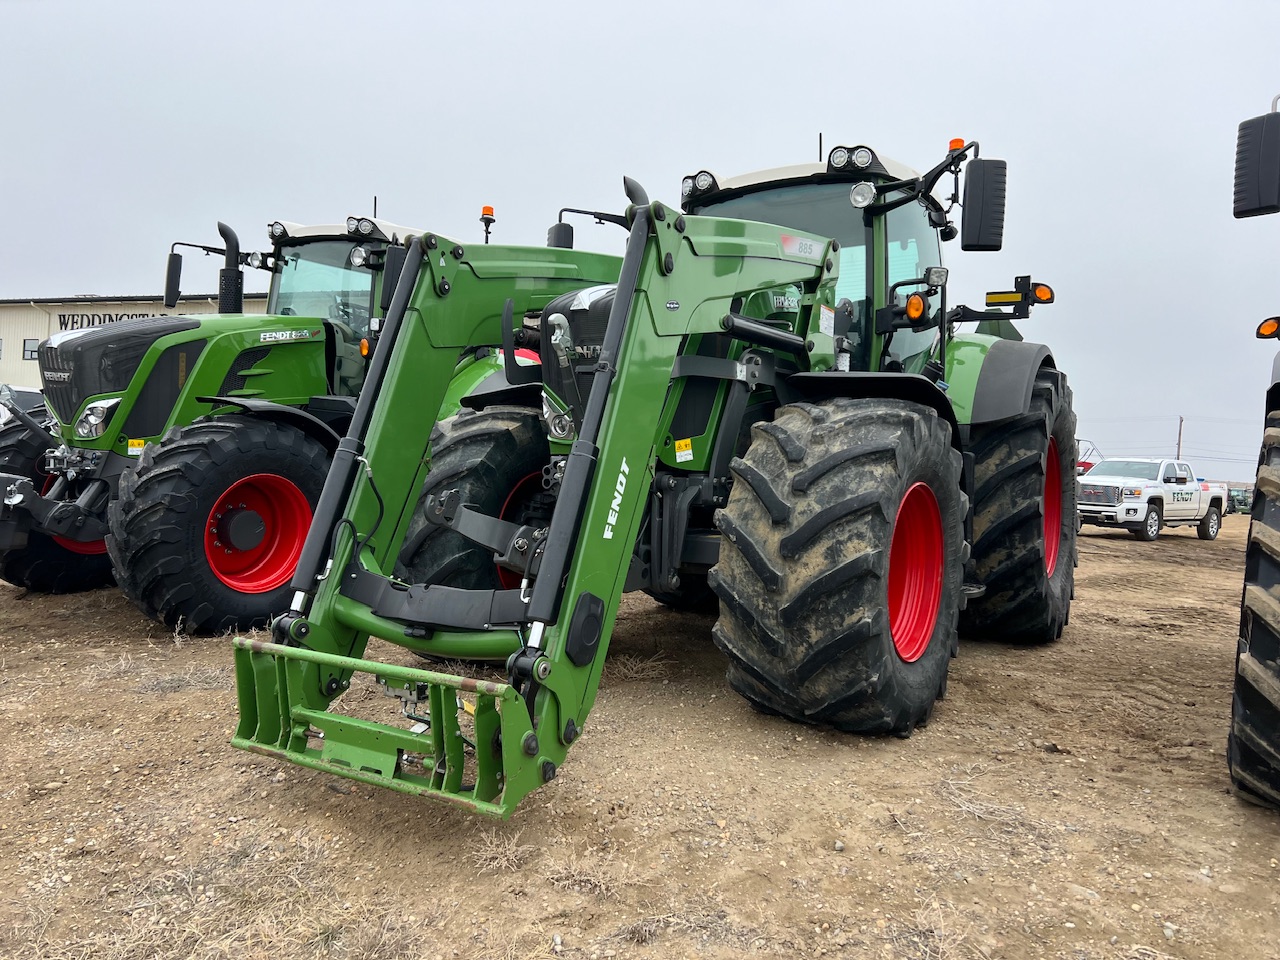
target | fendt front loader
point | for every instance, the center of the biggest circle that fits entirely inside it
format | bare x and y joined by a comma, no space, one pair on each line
1253,745
770,400
202,516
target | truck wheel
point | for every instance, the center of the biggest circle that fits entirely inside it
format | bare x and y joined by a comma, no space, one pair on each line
494,458
47,564
1025,520
209,523
841,565
1253,745
1151,524
1210,524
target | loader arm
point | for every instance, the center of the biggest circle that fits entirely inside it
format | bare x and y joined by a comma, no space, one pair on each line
679,277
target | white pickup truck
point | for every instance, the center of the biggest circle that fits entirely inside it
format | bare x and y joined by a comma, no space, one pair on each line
1143,494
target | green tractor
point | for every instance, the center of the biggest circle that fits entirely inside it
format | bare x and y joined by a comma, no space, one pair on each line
201,516
1253,744
770,404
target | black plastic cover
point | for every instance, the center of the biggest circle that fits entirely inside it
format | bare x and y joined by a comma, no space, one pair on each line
1257,187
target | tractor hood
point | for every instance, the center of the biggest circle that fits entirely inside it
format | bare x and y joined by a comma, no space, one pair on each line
78,364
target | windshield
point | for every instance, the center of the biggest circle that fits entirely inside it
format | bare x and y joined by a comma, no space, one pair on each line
1144,469
824,209
317,280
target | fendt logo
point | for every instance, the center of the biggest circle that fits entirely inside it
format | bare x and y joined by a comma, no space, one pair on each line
614,507
276,336
57,376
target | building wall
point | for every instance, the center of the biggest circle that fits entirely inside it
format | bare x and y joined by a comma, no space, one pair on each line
23,324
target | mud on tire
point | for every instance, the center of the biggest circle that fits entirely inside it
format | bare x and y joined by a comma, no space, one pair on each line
1024,547
1253,745
165,512
44,565
818,624
494,458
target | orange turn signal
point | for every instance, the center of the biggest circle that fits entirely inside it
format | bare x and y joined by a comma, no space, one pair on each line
1042,292
364,346
957,143
915,307
1269,328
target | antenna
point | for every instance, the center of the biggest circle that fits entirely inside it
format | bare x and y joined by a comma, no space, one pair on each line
819,146
375,206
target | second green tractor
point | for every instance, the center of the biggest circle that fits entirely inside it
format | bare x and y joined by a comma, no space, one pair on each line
768,408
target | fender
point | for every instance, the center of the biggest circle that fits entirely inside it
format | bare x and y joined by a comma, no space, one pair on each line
891,386
1007,378
308,423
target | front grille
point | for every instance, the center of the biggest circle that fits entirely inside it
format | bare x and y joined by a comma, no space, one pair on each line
1098,494
56,378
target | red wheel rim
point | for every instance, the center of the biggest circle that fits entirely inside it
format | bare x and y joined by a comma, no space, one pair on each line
915,572
509,579
85,548
285,516
1052,508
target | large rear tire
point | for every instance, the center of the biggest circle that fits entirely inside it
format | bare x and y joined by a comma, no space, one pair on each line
1253,745
209,524
840,569
1024,521
494,459
47,564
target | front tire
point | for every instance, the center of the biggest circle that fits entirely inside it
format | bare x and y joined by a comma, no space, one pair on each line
46,564
1151,524
1253,745
494,459
1209,525
209,524
841,564
1025,521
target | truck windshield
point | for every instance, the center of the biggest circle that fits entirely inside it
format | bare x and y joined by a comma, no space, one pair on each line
316,279
1138,469
824,209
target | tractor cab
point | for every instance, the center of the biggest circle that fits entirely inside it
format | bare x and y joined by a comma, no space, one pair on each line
890,292
340,276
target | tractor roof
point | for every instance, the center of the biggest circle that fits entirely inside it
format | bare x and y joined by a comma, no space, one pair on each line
383,230
805,171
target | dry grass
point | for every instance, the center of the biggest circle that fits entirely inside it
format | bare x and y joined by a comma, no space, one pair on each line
962,793
712,925
496,853
195,677
257,901
591,873
630,667
936,932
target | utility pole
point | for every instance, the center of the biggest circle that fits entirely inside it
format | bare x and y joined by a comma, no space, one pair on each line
1179,456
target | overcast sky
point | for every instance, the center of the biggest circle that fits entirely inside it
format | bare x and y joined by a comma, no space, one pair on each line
128,125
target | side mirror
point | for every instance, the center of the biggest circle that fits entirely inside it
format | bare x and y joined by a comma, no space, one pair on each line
392,265
982,223
173,280
1257,188
1170,478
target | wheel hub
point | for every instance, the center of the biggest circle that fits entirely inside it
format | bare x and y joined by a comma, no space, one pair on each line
240,528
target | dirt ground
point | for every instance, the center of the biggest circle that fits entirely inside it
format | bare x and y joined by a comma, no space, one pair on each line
1068,801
